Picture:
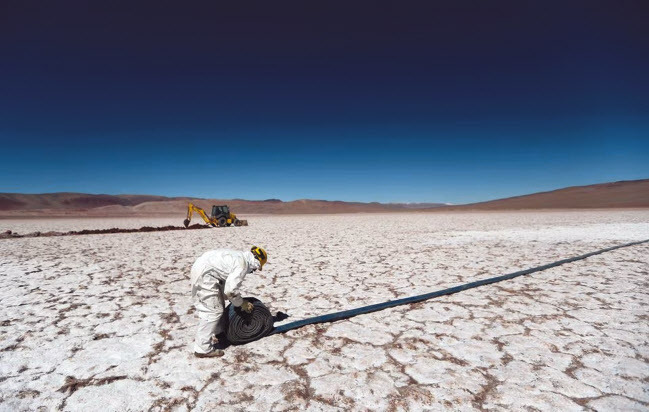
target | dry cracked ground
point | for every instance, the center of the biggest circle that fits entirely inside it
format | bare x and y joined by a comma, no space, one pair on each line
104,322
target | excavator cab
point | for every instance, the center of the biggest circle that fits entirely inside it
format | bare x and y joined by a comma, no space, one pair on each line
218,211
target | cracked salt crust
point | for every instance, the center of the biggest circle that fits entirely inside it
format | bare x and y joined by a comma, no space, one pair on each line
105,321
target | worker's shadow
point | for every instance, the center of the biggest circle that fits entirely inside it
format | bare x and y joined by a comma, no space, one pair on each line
280,316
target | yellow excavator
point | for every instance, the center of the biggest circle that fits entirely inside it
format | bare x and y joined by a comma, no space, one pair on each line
221,216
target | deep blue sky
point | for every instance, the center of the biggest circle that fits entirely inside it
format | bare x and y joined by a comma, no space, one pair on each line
454,101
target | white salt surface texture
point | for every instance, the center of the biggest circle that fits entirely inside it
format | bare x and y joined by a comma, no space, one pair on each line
105,322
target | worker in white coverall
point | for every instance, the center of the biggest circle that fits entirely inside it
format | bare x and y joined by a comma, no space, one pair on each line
216,276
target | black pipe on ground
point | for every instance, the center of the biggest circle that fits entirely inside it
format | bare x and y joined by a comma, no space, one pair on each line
257,326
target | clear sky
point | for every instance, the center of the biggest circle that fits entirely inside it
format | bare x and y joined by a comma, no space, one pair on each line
454,101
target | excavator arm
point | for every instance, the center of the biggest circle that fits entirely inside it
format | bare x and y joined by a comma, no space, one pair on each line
191,209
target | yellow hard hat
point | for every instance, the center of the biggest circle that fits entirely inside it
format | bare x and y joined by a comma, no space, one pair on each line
260,254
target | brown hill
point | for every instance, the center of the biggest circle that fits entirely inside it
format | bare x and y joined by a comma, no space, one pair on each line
63,200
81,204
623,194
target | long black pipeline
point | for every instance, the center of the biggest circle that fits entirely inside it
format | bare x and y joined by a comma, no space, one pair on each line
331,317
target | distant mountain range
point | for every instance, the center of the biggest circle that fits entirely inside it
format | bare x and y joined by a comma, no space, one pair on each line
81,204
625,194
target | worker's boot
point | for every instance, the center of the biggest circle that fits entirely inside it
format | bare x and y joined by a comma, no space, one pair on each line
215,353
217,348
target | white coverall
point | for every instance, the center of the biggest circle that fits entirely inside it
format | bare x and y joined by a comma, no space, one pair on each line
216,275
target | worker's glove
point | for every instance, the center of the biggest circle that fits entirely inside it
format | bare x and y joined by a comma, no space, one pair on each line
247,306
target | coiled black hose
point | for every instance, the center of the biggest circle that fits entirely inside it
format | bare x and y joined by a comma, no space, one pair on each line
247,327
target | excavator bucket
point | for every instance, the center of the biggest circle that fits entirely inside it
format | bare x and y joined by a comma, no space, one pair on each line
186,222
